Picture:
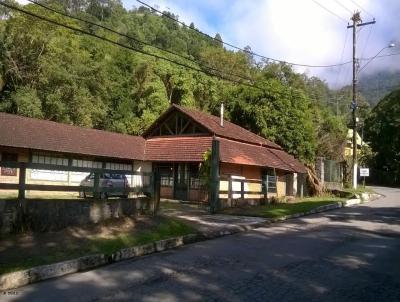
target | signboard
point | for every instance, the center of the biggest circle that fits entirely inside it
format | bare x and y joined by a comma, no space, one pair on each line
364,172
8,171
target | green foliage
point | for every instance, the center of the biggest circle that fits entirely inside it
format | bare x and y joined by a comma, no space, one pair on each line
52,73
281,113
205,168
382,130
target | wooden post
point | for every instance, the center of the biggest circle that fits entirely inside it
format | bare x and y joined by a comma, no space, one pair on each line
230,197
22,182
21,198
302,186
264,187
156,191
96,185
214,182
242,189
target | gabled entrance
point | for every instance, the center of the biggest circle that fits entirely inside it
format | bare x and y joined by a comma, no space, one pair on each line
180,181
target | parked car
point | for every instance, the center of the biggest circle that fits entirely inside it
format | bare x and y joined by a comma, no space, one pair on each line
107,180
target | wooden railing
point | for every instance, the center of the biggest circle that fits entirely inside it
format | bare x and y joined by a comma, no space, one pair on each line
152,188
267,185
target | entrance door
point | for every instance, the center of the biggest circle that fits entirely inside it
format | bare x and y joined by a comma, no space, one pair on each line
181,181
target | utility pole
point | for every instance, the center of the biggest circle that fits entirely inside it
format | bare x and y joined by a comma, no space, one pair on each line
357,22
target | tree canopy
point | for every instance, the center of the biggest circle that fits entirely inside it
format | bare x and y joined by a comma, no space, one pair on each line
382,132
53,73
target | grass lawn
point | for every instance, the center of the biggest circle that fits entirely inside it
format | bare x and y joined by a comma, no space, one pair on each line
283,209
19,252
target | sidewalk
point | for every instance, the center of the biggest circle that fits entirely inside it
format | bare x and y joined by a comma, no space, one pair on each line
209,225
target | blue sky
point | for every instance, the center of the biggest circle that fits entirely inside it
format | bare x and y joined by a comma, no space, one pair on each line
297,30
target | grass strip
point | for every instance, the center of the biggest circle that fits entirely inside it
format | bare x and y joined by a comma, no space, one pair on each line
283,209
166,228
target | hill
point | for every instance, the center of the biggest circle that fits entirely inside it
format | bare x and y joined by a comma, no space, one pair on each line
377,85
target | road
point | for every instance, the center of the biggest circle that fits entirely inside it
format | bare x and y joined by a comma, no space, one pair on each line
351,254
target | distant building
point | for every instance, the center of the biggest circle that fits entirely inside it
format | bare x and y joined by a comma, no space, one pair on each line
348,150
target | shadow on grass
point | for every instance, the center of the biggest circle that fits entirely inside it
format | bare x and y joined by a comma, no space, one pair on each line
23,251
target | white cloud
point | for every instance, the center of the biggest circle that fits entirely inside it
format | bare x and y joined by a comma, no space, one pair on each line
298,31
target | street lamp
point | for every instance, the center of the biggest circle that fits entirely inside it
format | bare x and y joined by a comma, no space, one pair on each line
356,18
391,45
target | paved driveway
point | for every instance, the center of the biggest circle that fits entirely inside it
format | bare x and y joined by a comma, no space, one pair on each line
351,254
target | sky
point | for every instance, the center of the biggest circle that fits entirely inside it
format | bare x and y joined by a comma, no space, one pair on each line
299,31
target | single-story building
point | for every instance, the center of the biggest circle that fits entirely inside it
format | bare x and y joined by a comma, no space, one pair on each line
174,145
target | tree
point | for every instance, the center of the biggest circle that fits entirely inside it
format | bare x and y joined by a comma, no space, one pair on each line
218,41
279,113
382,130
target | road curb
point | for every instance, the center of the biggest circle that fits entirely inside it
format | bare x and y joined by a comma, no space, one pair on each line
44,272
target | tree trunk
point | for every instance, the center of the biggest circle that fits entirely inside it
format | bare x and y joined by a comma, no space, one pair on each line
314,183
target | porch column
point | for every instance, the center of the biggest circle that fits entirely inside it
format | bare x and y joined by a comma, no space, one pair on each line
214,183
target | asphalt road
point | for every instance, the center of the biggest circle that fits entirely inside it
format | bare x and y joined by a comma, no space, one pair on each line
351,254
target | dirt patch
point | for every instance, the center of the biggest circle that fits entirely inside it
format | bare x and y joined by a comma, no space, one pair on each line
37,248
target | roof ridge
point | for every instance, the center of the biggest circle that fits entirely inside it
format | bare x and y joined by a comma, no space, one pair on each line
68,125
215,119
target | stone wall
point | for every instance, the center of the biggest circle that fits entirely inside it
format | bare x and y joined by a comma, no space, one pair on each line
50,215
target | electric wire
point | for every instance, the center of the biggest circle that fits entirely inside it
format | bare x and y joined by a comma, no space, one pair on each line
328,10
237,47
125,46
132,38
343,6
355,3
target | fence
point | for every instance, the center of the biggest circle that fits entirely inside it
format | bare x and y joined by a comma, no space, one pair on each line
237,191
145,185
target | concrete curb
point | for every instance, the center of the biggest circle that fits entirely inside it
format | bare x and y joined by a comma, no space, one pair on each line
44,272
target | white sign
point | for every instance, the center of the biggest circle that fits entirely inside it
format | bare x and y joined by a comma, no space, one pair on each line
364,171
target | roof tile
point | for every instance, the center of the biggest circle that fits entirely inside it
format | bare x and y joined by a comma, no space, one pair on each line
177,149
30,133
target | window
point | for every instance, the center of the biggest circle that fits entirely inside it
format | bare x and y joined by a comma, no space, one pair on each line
119,166
87,164
49,160
194,182
269,182
10,157
167,181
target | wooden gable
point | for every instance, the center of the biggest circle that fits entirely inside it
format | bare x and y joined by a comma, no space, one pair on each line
177,124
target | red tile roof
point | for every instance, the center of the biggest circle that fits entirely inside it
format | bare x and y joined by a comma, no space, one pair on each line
29,133
289,160
253,155
212,124
34,134
177,149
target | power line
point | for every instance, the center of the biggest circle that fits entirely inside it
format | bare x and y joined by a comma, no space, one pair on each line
237,47
125,46
133,39
355,3
343,6
341,57
328,10
381,56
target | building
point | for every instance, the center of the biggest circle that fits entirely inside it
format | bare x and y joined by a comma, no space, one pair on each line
175,145
348,150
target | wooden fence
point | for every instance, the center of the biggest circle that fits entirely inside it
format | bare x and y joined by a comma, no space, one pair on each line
248,187
151,188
